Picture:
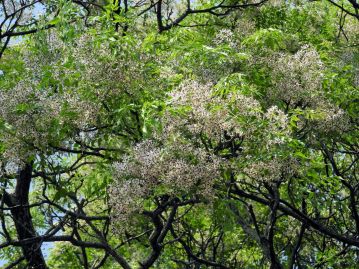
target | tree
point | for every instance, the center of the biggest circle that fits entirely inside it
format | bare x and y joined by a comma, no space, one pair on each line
180,135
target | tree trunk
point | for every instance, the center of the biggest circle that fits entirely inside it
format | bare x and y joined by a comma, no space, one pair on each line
23,221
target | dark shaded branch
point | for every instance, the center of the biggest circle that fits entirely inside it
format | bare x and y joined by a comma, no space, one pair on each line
288,209
159,233
193,256
295,251
228,8
341,7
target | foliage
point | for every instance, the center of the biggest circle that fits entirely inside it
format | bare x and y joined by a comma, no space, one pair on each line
201,134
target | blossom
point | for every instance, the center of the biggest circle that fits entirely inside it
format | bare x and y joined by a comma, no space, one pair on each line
331,119
298,77
278,129
210,114
179,168
225,36
272,170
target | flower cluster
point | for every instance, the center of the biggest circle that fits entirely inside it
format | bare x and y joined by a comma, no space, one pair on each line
273,170
331,119
65,89
209,114
297,78
277,128
225,36
34,117
180,169
298,83
23,104
348,57
244,27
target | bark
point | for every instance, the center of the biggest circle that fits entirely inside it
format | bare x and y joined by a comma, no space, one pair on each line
23,220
